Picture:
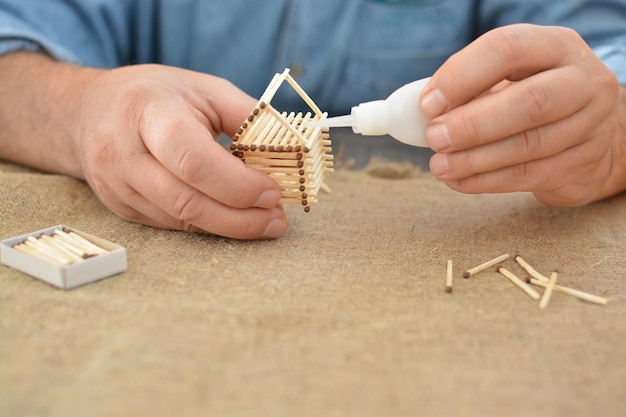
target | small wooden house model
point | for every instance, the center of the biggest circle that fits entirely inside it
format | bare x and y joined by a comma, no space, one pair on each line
296,157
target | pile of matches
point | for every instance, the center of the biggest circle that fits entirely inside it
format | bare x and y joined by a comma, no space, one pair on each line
296,157
61,247
534,277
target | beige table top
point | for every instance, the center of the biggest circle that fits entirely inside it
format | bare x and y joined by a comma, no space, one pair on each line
345,315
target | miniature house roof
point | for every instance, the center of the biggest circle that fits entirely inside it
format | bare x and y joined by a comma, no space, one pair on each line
296,157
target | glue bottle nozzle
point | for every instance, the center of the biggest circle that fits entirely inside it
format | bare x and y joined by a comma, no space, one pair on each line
338,121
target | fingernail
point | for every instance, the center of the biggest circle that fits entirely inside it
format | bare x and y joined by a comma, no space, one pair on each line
275,229
434,103
268,199
439,165
438,137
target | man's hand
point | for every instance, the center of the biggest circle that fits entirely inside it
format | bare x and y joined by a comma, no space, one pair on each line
528,108
143,137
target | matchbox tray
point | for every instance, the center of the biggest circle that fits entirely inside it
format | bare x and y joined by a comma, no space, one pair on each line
90,269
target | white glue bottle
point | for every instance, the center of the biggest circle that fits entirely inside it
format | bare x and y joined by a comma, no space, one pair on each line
399,116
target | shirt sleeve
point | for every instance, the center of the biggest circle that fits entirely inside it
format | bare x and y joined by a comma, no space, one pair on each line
93,33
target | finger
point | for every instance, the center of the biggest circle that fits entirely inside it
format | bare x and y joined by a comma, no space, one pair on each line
190,208
128,204
226,105
184,146
536,101
509,52
569,178
532,144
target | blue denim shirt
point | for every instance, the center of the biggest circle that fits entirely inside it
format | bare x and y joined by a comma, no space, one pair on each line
341,52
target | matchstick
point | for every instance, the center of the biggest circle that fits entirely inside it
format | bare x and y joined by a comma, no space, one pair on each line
61,247
22,247
449,277
521,284
36,244
90,247
532,271
572,292
545,298
483,266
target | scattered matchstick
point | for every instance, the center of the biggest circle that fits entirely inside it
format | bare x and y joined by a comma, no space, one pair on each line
532,271
545,298
572,292
521,284
483,266
449,277
535,278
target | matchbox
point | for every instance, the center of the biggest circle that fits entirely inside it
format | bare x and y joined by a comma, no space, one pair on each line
64,256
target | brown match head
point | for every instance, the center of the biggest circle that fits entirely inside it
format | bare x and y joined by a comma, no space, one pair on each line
498,268
448,289
255,112
262,148
466,274
527,279
251,118
306,149
253,147
239,131
263,105
307,209
298,156
302,188
298,148
304,202
232,146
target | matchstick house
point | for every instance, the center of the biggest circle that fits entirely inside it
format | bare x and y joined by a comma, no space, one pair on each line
296,157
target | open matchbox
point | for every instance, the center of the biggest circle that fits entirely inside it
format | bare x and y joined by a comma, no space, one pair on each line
91,269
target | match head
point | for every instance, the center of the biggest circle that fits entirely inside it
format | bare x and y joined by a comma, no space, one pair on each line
466,274
498,268
448,289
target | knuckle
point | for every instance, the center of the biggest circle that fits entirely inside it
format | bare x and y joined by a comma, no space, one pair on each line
471,128
512,43
530,144
189,167
538,101
520,173
462,164
607,82
186,209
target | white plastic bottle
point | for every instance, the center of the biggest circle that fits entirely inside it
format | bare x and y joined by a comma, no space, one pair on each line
399,116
